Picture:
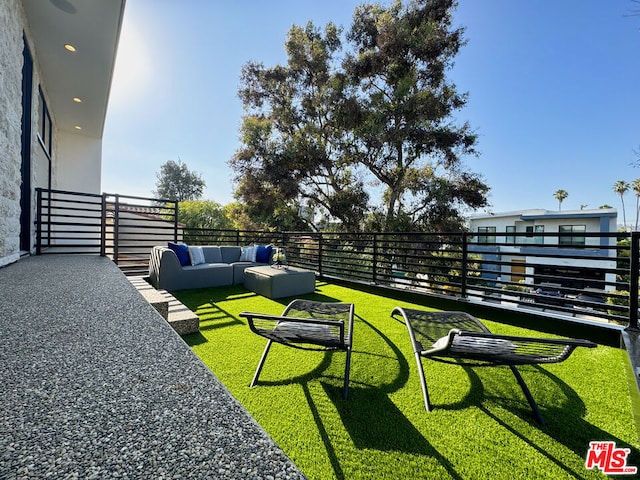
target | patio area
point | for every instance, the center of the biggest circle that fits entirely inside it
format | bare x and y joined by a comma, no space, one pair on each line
481,425
95,384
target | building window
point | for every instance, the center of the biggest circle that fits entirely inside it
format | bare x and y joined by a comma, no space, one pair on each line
44,124
567,240
531,229
511,238
486,238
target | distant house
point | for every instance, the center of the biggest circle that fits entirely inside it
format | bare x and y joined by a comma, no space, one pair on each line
552,244
56,66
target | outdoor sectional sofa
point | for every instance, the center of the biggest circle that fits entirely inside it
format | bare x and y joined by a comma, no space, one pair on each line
178,267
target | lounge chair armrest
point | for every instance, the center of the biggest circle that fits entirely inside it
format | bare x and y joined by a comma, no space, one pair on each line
328,333
280,318
577,342
442,344
504,349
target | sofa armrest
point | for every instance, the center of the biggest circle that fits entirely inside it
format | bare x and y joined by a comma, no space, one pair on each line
164,268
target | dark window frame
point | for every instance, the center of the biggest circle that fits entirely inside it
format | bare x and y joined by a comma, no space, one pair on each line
531,229
45,126
484,238
571,240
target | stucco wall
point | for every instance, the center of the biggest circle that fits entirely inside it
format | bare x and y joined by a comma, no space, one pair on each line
11,45
79,161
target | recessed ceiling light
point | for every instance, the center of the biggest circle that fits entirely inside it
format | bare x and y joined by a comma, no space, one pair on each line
69,47
77,99
78,127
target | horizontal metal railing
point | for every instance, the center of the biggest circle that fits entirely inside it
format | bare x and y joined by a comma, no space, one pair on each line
590,282
587,278
122,227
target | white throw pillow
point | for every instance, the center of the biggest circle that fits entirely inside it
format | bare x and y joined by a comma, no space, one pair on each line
196,255
248,254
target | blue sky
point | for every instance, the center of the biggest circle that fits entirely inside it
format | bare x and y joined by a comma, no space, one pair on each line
554,92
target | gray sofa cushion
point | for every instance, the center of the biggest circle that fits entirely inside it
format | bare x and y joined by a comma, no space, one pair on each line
230,253
212,254
238,271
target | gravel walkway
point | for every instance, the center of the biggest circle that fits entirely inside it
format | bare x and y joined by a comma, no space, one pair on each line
95,384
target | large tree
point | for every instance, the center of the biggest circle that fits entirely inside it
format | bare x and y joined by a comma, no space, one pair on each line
176,182
635,186
203,214
291,158
621,187
372,114
405,134
200,216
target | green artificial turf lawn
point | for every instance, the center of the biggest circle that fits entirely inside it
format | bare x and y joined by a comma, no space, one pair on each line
481,426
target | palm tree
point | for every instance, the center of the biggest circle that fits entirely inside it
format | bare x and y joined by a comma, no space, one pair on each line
560,195
635,186
621,187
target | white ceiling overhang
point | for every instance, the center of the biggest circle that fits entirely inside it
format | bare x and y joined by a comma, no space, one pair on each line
93,28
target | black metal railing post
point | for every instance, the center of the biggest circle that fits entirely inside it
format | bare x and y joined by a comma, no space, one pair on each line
320,253
48,223
116,233
375,259
465,266
176,213
633,280
38,221
103,226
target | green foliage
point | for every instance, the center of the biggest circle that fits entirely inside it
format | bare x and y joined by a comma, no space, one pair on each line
621,187
176,182
203,214
373,109
199,217
560,195
622,299
623,261
514,288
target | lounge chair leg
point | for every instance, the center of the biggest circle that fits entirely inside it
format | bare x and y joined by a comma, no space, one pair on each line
423,383
262,359
527,393
347,369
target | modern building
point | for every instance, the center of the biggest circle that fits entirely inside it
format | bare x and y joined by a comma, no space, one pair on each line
575,249
56,64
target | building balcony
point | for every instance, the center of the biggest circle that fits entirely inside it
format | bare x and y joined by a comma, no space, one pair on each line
96,382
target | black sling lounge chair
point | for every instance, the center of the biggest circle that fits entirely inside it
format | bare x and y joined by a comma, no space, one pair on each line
459,338
307,325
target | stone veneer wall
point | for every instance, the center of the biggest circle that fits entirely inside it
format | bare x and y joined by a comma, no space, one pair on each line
11,45
12,25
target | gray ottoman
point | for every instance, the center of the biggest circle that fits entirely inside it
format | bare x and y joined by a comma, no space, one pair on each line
274,282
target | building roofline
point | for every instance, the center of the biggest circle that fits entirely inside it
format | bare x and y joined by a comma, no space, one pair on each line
535,214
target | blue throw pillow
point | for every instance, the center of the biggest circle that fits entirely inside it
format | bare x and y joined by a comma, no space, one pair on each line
182,252
263,253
